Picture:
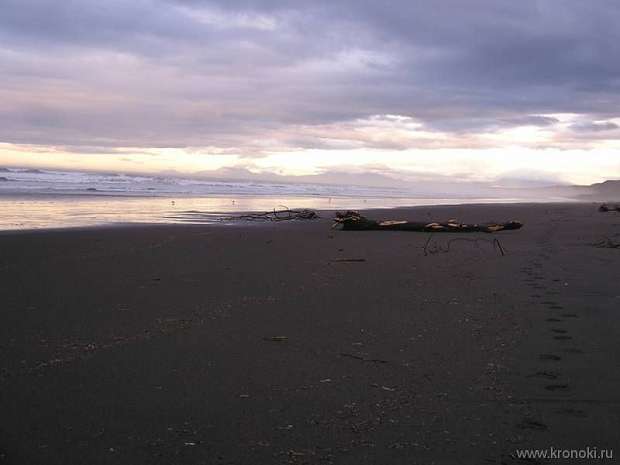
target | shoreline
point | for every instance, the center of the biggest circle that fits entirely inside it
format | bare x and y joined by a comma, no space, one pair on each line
218,215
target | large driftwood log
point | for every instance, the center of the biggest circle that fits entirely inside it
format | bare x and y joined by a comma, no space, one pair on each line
354,221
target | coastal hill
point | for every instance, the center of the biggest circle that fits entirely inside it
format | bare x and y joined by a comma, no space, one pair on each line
602,191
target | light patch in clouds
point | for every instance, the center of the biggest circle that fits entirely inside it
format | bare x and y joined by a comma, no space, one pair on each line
523,136
226,20
485,165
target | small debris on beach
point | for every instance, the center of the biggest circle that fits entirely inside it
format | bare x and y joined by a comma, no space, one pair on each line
604,208
276,338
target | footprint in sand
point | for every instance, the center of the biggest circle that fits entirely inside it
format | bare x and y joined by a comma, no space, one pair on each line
573,350
544,374
552,357
573,412
532,424
557,387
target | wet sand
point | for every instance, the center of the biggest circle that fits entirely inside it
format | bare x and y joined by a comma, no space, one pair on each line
293,343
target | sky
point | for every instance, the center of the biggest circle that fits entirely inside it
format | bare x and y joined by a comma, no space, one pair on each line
409,90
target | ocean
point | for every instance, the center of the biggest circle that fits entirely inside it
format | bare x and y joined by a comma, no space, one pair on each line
35,199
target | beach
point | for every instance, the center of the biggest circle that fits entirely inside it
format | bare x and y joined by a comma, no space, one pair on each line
292,342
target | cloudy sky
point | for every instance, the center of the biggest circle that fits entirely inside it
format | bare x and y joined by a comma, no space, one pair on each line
412,89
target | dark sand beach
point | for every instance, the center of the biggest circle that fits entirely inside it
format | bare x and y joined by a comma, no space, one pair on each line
294,343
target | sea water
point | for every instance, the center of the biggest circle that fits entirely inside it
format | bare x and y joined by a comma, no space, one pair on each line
31,199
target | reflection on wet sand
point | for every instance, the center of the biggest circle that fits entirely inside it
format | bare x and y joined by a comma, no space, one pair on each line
54,211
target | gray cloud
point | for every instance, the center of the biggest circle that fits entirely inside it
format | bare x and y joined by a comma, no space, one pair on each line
176,73
591,126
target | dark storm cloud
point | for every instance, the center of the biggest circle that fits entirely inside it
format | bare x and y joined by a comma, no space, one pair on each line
221,73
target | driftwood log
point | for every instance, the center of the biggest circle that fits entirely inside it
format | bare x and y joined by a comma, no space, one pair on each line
609,208
277,215
354,221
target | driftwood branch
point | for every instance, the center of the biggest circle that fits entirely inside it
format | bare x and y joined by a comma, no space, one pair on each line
497,245
284,214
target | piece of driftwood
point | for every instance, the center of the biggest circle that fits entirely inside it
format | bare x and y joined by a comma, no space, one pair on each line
277,215
609,208
283,214
354,221
607,243
436,248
